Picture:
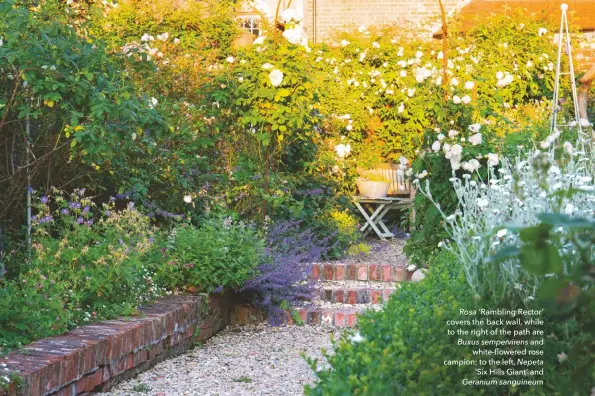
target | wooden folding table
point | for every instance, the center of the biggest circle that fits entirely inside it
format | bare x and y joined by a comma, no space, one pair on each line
375,209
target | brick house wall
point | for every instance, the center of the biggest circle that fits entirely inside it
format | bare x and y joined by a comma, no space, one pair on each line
321,17
584,51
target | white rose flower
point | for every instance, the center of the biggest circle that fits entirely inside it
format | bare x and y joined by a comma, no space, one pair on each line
375,45
455,164
187,198
230,59
452,133
436,146
276,77
267,66
344,43
163,36
294,36
475,139
469,85
493,159
440,136
542,31
403,73
259,40
410,92
401,108
456,99
500,75
466,99
456,149
584,122
474,128
403,160
291,14
454,82
419,54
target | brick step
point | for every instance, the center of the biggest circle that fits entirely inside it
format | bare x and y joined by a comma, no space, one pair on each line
365,272
353,294
340,315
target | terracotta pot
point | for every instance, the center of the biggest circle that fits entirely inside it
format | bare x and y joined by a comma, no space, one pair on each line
372,189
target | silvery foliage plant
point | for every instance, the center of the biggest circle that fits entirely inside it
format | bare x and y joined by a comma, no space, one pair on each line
515,192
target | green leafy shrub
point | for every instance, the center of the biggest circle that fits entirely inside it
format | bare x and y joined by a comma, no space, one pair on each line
218,254
401,350
87,263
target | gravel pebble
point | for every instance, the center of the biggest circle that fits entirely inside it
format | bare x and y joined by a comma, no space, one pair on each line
389,252
248,360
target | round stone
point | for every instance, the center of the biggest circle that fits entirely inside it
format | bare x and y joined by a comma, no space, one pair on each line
419,275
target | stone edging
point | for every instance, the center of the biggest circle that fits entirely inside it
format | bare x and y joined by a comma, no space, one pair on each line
97,356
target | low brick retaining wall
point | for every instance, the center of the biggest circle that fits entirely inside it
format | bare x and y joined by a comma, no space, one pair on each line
95,357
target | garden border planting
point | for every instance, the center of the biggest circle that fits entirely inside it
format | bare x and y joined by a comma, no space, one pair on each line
98,356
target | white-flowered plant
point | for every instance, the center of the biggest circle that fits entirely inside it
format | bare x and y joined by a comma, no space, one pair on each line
512,196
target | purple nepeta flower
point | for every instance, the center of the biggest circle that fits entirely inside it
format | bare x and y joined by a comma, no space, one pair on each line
30,189
80,220
75,205
44,199
256,177
86,209
65,211
112,199
48,218
219,289
108,213
89,222
130,205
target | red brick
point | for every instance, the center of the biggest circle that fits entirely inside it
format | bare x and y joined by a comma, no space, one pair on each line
386,273
315,272
327,317
374,272
339,272
375,297
351,296
351,272
328,272
399,274
339,319
303,312
314,317
340,296
89,381
362,272
351,319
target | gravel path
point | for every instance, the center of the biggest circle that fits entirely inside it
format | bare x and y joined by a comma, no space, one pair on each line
250,360
381,252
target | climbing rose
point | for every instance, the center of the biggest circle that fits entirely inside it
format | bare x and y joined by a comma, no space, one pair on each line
456,99
187,198
475,139
469,85
276,77
492,159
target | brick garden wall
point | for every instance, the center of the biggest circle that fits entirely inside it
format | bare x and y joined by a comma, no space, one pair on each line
334,14
584,51
95,357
